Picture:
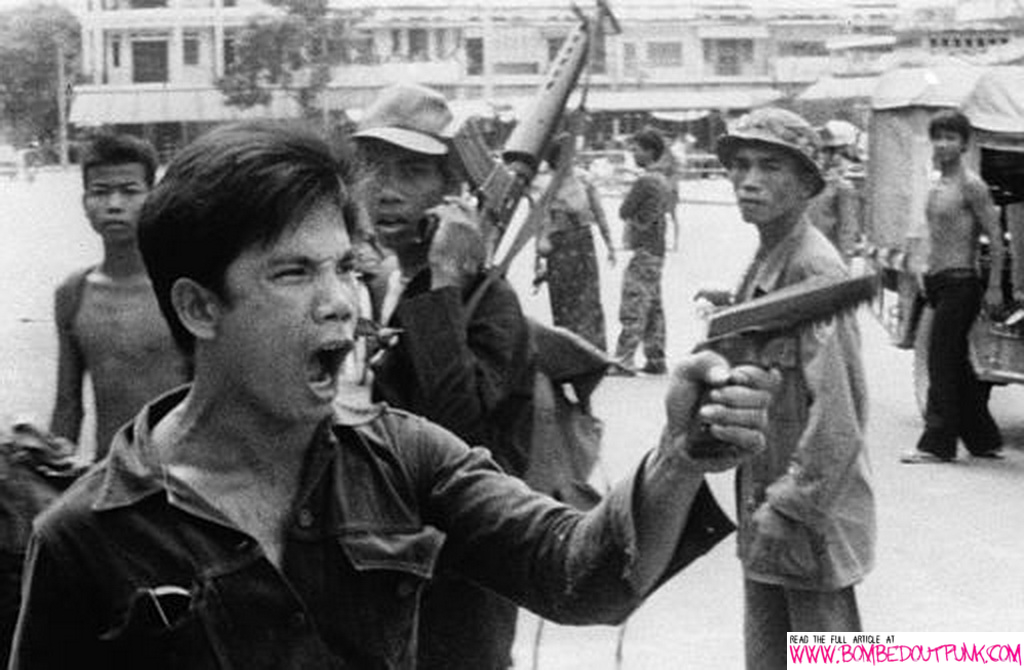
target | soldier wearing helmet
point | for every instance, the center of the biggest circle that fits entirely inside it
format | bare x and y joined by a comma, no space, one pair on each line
805,505
836,210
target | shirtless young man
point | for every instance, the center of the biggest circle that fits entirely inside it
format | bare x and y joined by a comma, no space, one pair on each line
109,327
959,210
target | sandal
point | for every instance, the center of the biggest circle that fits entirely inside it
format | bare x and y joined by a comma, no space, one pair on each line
916,457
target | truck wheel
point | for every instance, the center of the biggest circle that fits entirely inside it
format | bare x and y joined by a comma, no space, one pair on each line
921,338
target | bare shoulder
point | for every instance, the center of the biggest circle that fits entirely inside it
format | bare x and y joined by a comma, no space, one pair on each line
974,186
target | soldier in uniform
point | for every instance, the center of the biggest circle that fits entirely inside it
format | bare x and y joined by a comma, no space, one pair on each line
643,212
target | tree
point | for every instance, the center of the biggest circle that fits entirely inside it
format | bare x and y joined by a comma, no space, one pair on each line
30,38
292,51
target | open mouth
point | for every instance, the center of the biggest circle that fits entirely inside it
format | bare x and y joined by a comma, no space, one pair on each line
389,225
326,361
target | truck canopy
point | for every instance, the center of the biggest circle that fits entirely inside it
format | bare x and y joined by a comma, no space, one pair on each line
899,151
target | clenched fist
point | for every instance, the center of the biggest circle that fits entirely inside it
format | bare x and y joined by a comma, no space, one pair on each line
457,248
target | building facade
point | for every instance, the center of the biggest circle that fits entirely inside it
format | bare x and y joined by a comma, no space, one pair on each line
151,66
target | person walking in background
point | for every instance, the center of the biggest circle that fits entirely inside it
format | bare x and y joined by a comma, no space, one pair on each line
959,210
109,327
471,373
643,213
836,211
805,505
569,259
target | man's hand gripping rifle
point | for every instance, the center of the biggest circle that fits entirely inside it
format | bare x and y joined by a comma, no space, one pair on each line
748,332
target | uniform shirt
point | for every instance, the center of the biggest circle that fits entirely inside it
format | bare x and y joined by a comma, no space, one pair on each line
133,569
643,212
473,374
836,213
814,472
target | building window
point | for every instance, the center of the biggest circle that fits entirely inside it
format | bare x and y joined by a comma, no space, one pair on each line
229,50
802,49
665,54
418,47
554,46
629,62
599,54
396,42
115,52
727,58
149,61
147,4
440,43
190,49
474,55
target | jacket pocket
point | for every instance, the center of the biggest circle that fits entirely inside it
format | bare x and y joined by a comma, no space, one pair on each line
391,569
160,628
413,552
797,554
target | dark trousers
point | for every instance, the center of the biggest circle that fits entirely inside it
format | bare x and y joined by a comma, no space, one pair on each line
957,399
771,611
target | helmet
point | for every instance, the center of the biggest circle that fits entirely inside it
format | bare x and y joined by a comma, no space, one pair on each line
777,128
839,133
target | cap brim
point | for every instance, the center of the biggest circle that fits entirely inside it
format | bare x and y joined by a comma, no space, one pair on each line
407,139
728,145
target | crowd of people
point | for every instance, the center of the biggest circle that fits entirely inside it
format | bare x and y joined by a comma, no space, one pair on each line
239,514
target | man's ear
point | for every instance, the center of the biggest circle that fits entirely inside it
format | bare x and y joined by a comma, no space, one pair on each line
198,308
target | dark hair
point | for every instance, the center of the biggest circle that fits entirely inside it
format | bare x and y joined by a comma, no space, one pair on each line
950,120
651,140
119,149
239,185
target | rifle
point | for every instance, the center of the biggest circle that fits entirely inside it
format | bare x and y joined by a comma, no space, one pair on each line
746,333
501,186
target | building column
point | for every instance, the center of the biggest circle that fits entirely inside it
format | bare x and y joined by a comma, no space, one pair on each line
218,50
175,59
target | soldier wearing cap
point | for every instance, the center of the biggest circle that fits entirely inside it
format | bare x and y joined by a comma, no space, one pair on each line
471,373
805,505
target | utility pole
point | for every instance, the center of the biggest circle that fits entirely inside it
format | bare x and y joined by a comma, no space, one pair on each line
62,105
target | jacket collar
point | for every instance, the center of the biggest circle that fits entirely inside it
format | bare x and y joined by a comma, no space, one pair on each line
770,265
134,470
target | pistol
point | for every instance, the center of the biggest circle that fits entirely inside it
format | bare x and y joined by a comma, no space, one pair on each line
745,333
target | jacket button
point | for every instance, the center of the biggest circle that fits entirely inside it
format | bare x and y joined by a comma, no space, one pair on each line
305,518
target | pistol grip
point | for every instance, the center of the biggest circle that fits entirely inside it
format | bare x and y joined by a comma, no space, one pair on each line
701,444
738,349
